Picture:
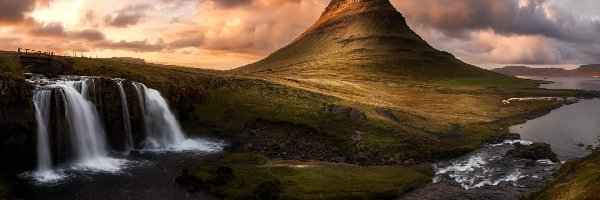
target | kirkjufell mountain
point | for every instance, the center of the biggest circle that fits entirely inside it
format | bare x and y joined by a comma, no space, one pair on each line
364,37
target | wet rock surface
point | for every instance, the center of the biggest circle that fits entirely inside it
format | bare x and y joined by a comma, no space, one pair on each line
535,151
487,174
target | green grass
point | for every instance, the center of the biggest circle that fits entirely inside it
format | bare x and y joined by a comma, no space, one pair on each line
577,179
312,180
9,67
4,188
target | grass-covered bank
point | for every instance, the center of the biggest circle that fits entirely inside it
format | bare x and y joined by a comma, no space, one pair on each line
314,121
253,176
577,179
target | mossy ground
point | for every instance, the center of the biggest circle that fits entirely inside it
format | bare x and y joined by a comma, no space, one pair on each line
310,180
577,179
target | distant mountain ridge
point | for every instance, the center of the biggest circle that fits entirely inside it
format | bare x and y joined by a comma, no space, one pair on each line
583,71
367,38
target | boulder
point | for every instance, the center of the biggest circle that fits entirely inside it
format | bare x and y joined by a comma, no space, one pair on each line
535,151
353,113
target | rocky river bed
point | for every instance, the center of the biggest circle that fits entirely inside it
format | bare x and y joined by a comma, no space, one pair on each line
487,173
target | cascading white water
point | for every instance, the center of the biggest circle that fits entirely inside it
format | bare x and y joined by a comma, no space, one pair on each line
86,130
84,124
126,117
41,101
162,128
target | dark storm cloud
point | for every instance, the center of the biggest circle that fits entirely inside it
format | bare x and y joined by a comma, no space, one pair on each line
136,46
56,30
192,41
231,3
127,16
539,24
13,11
526,17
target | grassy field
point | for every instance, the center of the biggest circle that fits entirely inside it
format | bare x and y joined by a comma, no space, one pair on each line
306,180
578,179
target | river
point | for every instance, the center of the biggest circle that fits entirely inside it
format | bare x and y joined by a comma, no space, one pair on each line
487,174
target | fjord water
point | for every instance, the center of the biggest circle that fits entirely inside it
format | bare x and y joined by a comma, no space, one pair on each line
569,129
574,83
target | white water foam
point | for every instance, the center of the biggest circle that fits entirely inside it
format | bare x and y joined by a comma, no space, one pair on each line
488,166
508,101
46,177
513,142
188,145
108,165
480,169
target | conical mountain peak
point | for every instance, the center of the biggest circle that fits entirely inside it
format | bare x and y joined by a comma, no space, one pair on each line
336,5
362,36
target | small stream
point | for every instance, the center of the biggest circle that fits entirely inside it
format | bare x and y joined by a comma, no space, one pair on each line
487,174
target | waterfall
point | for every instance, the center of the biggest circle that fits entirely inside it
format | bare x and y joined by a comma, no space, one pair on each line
161,126
42,103
78,99
86,129
126,118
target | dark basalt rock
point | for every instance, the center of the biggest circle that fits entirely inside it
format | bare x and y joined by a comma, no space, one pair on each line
17,123
387,113
535,151
502,138
189,182
353,113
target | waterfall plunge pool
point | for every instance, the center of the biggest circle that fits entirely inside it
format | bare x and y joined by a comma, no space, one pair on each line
72,136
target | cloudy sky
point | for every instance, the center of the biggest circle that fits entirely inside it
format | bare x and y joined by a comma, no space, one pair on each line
224,34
